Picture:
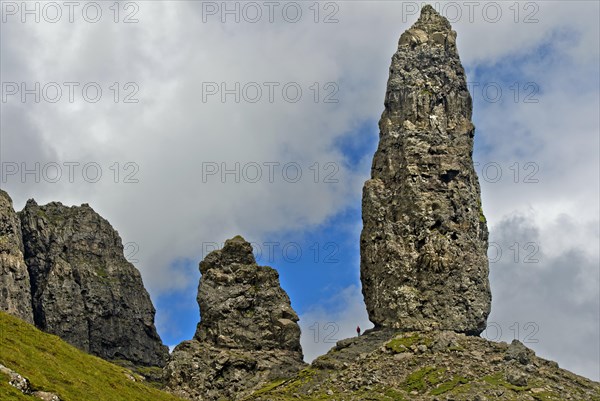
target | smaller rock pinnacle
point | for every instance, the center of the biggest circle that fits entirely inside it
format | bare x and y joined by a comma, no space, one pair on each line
248,334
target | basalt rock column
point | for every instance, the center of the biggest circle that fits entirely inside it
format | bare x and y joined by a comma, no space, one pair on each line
424,238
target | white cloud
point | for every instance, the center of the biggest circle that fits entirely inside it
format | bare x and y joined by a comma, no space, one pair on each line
171,131
546,296
332,320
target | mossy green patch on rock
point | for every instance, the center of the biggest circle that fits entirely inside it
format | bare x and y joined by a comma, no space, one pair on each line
498,380
394,394
423,378
278,388
402,343
449,385
482,216
6,242
545,396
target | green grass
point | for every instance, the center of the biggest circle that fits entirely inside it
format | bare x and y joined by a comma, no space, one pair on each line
498,380
52,365
269,387
403,344
393,394
481,215
423,378
449,385
545,396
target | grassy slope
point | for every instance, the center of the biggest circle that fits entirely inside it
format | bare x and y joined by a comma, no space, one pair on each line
52,365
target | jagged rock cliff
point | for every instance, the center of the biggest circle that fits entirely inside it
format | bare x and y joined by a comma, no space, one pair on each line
248,333
83,288
424,238
15,289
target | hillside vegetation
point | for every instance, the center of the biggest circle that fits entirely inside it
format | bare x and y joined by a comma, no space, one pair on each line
54,366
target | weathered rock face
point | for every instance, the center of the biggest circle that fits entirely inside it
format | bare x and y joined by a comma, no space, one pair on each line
83,288
15,289
248,334
242,304
424,238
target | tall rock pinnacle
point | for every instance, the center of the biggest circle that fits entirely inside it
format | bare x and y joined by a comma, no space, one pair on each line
248,334
83,288
424,238
15,288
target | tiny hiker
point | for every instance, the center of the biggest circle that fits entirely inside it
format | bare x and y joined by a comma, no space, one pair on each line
358,330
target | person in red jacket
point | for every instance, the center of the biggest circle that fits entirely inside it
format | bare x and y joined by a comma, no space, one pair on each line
358,330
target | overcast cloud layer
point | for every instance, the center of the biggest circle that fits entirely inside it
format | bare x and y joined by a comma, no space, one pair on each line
157,156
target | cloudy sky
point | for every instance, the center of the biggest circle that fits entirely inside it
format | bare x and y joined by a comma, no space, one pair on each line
185,123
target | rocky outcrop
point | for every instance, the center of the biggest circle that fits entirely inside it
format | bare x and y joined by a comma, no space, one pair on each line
15,289
24,386
248,334
83,288
430,366
424,238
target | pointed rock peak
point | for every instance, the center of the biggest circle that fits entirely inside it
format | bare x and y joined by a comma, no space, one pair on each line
242,304
431,21
432,29
4,194
237,241
236,251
